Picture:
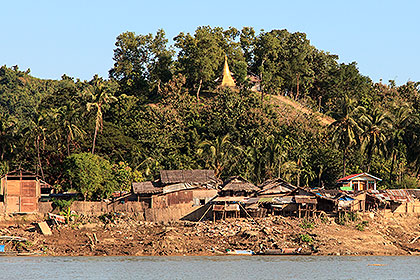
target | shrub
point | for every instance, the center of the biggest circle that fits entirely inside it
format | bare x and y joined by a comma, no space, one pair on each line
306,224
361,226
306,238
91,175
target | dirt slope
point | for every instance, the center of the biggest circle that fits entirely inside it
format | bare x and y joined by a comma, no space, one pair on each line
130,236
298,109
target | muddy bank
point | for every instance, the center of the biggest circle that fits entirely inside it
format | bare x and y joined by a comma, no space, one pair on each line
126,235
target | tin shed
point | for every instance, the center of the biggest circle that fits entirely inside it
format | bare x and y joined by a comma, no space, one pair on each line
20,191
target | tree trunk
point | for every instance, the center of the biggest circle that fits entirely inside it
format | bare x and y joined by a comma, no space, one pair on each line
369,162
344,162
94,139
198,90
98,121
319,103
68,144
39,158
394,155
297,86
298,180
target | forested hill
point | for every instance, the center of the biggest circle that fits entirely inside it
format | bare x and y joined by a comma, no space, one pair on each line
162,107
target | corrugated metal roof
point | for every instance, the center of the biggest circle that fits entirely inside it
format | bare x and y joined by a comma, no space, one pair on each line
145,188
178,187
393,195
230,199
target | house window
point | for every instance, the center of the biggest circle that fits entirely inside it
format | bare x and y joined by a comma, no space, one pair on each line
202,201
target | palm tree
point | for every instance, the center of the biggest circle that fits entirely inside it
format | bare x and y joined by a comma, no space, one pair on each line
100,93
36,131
399,124
256,161
8,131
67,118
373,138
219,153
273,152
346,127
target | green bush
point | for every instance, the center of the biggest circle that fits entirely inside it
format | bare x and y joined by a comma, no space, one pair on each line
91,175
306,224
306,238
61,204
361,226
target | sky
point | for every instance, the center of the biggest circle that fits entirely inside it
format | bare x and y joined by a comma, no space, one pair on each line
77,38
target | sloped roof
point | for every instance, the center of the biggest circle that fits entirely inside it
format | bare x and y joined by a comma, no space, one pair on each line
275,186
187,176
146,188
400,195
237,183
354,176
21,172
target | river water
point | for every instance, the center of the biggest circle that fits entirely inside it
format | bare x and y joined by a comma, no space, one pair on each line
220,267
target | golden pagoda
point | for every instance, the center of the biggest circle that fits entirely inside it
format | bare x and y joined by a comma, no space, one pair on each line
227,76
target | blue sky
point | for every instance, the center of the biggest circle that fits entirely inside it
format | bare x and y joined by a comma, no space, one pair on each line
77,38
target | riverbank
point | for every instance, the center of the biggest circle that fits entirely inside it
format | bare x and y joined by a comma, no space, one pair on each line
116,235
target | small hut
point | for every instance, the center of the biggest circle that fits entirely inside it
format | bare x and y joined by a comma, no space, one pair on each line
176,187
144,192
20,191
275,187
238,186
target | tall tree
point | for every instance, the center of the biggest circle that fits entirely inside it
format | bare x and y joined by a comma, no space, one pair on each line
400,122
141,61
100,94
346,130
375,125
218,153
201,56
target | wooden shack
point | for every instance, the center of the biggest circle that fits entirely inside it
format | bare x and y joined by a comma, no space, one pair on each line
144,192
178,187
20,191
275,187
238,186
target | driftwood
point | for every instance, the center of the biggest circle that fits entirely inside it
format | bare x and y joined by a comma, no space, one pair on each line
415,239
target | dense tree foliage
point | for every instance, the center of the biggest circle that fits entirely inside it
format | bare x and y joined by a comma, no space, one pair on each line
97,136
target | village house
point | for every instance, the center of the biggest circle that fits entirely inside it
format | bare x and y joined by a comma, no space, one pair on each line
232,195
358,182
279,197
193,187
20,191
237,186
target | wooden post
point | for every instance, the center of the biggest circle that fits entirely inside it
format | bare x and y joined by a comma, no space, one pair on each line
299,213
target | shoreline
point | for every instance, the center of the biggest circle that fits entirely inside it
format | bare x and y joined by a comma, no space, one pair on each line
128,236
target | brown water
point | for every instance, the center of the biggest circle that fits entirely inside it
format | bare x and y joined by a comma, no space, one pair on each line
223,267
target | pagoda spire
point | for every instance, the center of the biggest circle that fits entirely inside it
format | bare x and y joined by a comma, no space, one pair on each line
227,76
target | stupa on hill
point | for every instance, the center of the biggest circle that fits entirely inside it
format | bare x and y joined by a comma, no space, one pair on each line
227,80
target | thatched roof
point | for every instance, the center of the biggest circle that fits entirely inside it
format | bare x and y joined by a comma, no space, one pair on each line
146,188
276,186
187,176
238,183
